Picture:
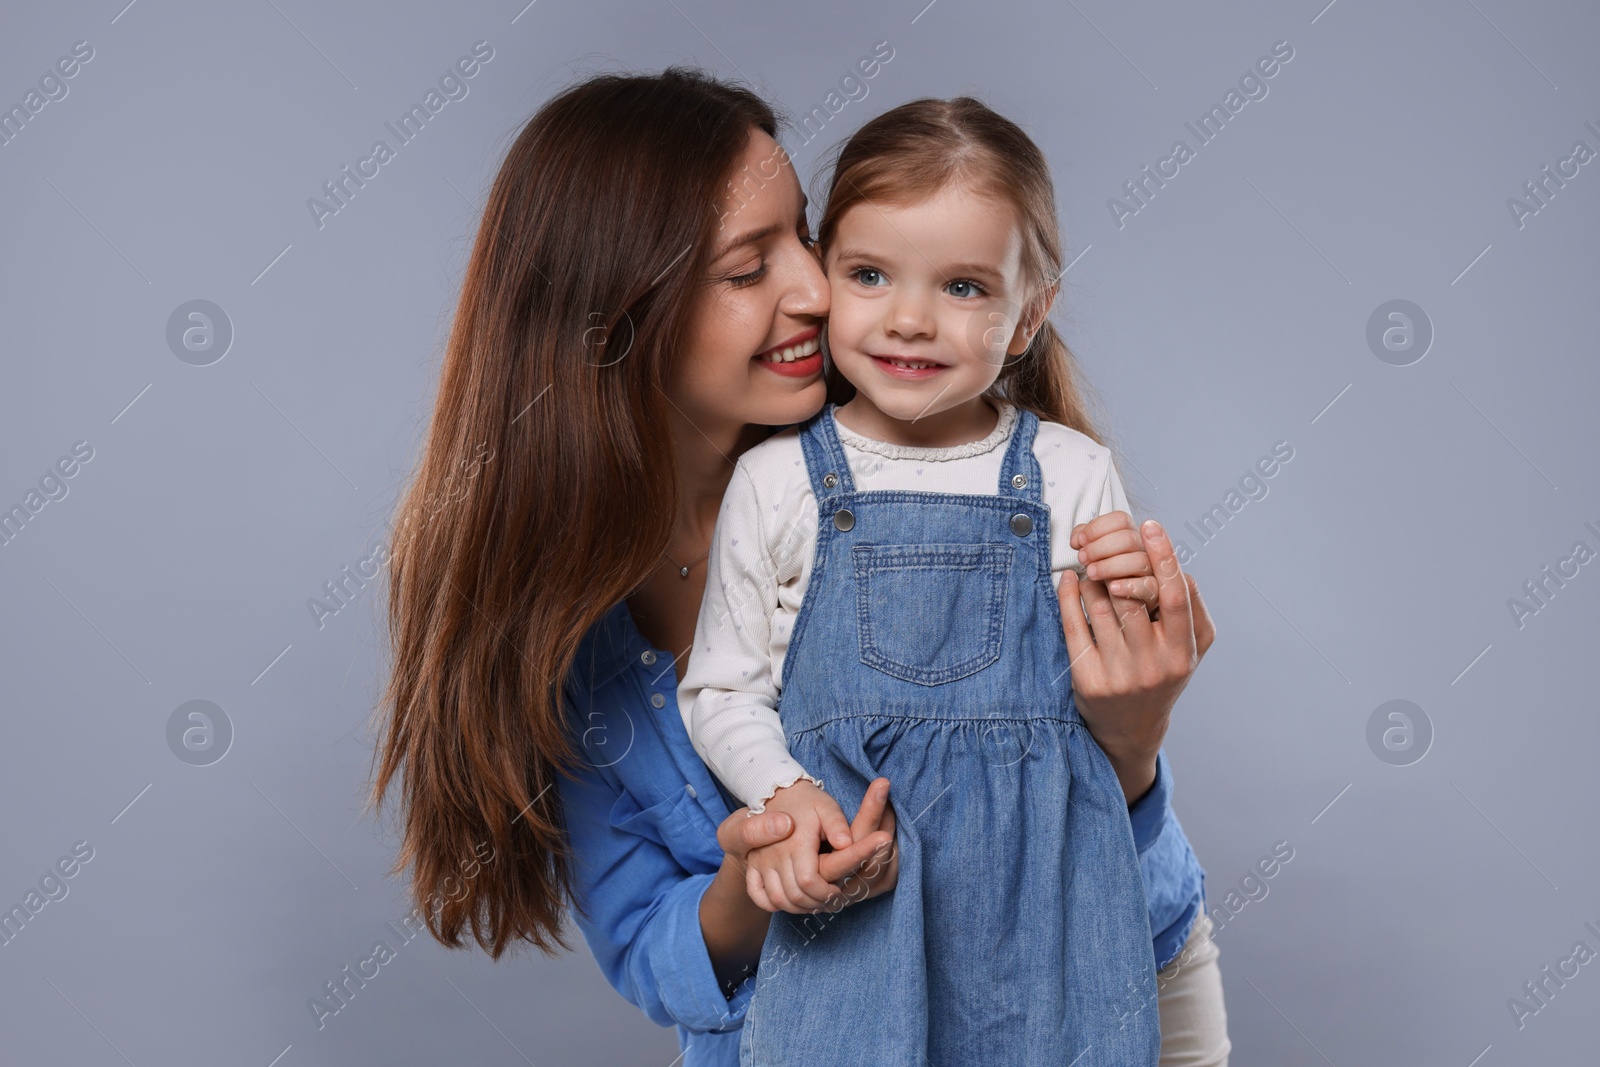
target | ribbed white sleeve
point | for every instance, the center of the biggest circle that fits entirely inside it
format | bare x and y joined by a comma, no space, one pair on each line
728,697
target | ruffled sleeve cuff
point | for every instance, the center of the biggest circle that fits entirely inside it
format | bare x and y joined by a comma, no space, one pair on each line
761,802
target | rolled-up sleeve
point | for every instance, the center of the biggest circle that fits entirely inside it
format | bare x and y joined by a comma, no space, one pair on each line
1151,812
639,911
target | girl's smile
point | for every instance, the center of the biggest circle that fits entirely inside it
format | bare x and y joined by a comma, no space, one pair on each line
911,370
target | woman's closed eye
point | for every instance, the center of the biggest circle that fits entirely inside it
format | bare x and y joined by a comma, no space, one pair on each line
739,281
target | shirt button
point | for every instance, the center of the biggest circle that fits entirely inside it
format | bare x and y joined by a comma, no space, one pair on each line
691,791
657,700
647,657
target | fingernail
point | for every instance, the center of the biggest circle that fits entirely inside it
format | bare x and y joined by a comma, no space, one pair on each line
775,824
1151,529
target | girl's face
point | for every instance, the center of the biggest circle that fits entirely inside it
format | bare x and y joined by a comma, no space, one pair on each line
753,352
927,303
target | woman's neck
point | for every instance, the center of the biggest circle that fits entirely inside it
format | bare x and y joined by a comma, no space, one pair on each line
705,457
666,605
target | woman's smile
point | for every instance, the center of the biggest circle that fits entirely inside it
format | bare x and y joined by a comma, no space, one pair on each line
798,357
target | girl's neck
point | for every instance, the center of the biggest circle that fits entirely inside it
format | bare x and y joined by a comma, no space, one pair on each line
971,420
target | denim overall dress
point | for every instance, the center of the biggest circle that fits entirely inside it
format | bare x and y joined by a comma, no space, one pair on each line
929,650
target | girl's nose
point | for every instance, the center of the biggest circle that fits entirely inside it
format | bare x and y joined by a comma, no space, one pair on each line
909,317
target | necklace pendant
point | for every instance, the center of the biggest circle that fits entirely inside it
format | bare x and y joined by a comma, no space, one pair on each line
683,572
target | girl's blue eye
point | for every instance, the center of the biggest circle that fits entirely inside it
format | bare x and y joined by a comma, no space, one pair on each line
976,289
861,274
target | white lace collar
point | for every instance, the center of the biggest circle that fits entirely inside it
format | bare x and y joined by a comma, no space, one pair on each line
996,437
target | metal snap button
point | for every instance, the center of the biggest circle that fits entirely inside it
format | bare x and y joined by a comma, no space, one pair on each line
1019,480
1021,525
843,519
657,700
647,657
830,479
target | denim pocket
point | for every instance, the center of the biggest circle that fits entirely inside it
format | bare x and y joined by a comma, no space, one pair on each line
930,614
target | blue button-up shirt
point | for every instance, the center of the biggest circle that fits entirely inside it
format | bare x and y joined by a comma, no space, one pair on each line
642,817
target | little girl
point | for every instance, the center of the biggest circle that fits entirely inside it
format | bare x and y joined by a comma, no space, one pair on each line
890,567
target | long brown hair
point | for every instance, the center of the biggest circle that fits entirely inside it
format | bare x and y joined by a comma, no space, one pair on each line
911,152
576,298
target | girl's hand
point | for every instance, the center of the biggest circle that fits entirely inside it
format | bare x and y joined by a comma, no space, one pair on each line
785,873
1127,669
1110,549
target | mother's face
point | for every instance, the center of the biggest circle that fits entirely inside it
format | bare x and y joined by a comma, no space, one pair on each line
765,297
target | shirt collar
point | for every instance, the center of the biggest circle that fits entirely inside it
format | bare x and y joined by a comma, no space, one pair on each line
610,646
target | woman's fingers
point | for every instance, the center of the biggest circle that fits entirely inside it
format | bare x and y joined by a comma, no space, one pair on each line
1075,627
1177,623
1205,631
837,867
1102,613
835,827
872,808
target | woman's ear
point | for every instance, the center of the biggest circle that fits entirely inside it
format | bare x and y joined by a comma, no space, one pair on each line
1033,316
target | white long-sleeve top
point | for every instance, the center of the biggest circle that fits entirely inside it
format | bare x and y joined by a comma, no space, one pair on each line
762,552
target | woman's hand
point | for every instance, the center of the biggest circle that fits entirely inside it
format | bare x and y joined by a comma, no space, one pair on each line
1128,670
876,874
865,869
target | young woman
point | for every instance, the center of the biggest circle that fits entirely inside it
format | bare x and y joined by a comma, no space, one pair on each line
644,248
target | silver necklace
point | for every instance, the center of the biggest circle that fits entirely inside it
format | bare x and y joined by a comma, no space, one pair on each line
683,570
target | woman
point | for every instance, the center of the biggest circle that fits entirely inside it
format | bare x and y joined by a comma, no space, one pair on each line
643,244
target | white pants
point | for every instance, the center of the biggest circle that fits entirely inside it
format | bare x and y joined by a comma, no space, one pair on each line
1194,1023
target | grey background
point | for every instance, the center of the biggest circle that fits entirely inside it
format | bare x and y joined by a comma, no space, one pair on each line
1230,313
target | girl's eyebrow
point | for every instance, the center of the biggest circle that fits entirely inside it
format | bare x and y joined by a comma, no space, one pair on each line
950,270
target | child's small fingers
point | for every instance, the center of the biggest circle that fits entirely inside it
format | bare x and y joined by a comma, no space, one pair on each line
773,883
1131,564
1146,589
757,890
1112,522
812,884
799,901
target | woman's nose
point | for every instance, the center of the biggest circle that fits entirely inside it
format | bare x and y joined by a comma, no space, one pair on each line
808,294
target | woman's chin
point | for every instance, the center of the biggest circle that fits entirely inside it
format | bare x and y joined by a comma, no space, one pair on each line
784,402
